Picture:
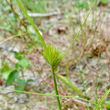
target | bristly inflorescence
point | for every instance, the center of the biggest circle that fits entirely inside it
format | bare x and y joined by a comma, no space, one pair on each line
55,55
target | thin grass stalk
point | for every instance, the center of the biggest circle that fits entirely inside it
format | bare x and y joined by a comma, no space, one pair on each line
96,79
80,29
66,68
51,95
100,102
84,88
59,96
56,89
9,38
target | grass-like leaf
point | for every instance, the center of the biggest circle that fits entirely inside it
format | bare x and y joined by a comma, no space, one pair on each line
37,31
79,30
100,102
69,84
51,95
11,38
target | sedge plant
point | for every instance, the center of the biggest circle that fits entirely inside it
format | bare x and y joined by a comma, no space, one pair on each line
51,54
56,57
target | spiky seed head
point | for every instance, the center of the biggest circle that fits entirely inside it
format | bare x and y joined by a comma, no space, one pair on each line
55,55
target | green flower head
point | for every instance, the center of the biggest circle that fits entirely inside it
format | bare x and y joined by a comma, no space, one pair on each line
55,55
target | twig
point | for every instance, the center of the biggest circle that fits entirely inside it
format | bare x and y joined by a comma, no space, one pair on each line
37,15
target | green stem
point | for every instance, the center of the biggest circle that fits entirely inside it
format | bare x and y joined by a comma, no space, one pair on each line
84,88
66,68
56,90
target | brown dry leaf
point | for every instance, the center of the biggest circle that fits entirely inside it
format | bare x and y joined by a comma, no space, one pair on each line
62,30
95,51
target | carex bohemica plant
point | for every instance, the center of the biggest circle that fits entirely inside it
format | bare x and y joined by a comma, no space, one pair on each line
50,51
56,57
51,54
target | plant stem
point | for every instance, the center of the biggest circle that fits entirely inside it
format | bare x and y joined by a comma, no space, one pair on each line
84,88
55,85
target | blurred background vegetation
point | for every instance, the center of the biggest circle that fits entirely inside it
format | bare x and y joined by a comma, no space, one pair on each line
83,72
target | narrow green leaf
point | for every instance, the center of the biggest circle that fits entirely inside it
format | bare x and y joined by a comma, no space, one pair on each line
51,95
69,84
102,99
37,31
10,38
13,75
79,30
20,85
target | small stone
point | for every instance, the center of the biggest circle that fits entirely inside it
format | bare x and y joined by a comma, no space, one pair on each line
22,99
